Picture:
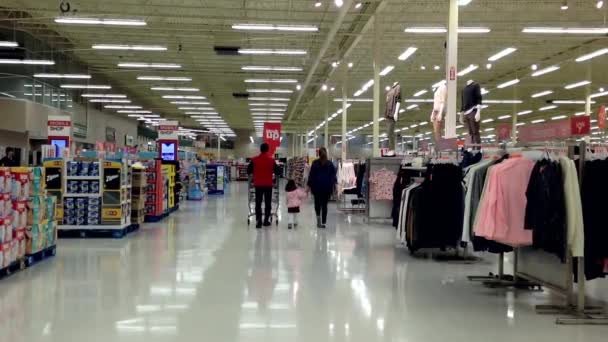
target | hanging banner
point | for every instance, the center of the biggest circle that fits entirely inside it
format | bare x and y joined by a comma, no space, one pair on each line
553,130
59,126
272,135
601,117
167,130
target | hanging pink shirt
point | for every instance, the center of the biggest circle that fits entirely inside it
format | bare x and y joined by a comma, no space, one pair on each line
503,208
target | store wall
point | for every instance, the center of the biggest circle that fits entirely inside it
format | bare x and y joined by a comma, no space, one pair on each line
97,122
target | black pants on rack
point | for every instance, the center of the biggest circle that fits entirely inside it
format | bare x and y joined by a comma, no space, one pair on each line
263,193
321,200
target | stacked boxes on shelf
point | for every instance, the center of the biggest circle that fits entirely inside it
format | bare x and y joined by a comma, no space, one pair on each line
155,188
82,196
138,195
115,194
24,214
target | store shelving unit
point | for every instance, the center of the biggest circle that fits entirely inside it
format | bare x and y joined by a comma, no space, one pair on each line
241,172
215,179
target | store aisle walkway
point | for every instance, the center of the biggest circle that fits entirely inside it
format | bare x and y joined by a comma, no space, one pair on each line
201,275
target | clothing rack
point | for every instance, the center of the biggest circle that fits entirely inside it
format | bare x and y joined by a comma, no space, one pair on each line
537,267
341,201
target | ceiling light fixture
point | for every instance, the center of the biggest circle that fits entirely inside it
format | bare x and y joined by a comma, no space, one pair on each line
270,68
534,67
407,53
161,78
184,97
503,117
599,4
508,83
196,108
602,93
272,27
122,107
525,112
592,55
74,76
564,5
570,102
134,111
254,104
468,69
277,99
27,61
410,107
272,52
502,54
129,47
421,92
95,21
538,121
542,93
339,3
150,65
444,30
109,101
387,70
85,86
504,101
559,117
566,30
318,4
542,109
277,91
174,89
489,66
298,87
577,84
205,103
8,44
545,70
106,96
257,80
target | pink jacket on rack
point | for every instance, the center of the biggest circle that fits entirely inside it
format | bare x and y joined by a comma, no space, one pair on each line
295,198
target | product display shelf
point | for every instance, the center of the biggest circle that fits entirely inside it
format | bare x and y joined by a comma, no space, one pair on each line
95,201
242,172
156,184
215,179
28,230
196,181
138,195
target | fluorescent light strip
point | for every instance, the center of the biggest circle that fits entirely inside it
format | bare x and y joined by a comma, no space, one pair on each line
508,84
184,97
542,93
270,68
161,78
468,69
419,101
502,54
570,101
95,21
272,27
421,92
267,109
542,109
202,113
268,104
150,65
278,99
603,93
559,117
8,44
387,70
123,111
122,107
487,120
271,81
538,121
276,91
196,108
545,71
174,89
85,86
109,101
204,103
27,61
293,52
129,47
355,100
503,101
73,76
592,55
107,96
445,30
503,117
577,84
407,53
525,112
566,30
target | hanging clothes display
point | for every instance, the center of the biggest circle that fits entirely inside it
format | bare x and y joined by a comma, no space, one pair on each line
381,184
296,170
402,181
594,188
431,213
501,213
347,179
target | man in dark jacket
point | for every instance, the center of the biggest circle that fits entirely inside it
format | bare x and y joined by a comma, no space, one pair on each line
9,158
263,168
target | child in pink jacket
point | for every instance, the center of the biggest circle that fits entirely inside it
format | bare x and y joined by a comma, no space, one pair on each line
295,196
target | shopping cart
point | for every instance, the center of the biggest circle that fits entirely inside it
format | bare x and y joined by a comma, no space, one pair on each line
274,213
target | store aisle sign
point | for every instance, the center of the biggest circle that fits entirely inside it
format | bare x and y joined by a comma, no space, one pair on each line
272,135
59,126
167,130
560,129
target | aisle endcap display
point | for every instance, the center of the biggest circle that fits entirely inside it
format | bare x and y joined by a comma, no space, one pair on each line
215,179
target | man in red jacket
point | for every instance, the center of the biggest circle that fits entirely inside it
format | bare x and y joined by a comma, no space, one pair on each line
263,168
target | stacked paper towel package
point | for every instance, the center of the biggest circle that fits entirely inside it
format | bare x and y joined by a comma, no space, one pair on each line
82,211
27,214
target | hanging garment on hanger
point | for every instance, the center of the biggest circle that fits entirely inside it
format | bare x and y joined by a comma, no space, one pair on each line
393,97
403,179
545,208
594,188
403,213
502,211
574,210
381,184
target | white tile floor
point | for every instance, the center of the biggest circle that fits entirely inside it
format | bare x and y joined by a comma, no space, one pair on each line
201,275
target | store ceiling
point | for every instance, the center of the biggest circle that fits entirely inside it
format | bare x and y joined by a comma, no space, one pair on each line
190,29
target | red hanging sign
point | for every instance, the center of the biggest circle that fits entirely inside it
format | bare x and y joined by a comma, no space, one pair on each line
504,131
601,117
272,135
559,129
580,125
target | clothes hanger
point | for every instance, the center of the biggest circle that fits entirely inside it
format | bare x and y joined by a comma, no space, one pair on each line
469,82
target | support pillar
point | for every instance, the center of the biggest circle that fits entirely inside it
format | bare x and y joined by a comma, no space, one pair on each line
451,69
514,117
326,134
219,146
344,144
376,105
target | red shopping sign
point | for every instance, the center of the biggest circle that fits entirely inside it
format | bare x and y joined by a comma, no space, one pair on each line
272,135
560,129
601,117
504,131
